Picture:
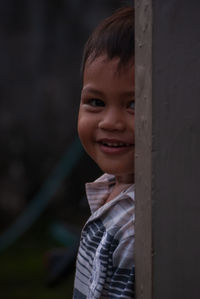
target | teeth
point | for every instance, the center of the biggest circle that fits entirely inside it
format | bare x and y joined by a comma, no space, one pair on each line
115,144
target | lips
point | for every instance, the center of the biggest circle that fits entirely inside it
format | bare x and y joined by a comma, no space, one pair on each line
114,144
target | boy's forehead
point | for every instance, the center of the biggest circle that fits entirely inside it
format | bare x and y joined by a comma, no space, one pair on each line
103,61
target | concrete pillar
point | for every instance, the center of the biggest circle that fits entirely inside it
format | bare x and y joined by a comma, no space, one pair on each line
167,160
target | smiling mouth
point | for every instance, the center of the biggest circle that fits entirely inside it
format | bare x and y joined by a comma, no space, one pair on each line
115,144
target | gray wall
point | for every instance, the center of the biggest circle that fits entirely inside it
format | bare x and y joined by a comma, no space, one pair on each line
174,129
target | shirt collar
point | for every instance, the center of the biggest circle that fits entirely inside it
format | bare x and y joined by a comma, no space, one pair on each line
99,190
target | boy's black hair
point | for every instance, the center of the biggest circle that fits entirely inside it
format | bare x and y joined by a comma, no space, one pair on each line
113,37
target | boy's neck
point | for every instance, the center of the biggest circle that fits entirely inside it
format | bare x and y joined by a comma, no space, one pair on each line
121,184
124,179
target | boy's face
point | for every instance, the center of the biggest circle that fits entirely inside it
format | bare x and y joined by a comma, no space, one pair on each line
106,116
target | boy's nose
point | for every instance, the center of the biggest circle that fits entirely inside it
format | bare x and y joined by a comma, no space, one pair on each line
112,120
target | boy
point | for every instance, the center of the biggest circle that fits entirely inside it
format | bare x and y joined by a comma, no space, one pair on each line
105,262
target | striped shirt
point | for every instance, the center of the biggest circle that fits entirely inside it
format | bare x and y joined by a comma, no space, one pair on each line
105,262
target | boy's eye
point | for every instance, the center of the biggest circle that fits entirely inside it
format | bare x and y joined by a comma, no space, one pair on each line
96,103
131,105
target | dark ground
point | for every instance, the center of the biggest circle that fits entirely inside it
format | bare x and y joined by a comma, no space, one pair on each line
23,271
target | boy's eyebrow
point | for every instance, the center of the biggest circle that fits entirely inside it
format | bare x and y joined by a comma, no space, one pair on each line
93,90
98,92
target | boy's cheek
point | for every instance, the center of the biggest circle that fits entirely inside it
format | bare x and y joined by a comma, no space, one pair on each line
83,131
79,127
81,122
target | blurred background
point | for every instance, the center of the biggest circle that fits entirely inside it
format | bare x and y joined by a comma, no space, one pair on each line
43,168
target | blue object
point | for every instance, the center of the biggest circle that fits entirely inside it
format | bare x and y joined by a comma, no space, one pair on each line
41,200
